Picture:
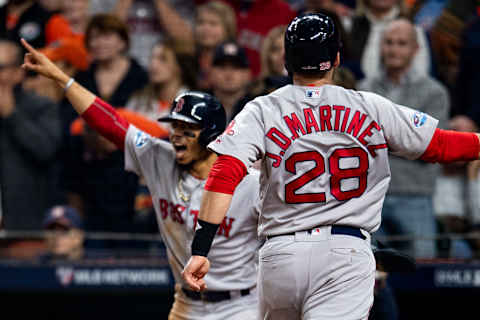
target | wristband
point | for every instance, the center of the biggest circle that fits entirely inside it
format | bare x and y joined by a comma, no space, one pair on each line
69,84
202,242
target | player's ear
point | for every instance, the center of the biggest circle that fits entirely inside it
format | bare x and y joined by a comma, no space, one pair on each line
337,60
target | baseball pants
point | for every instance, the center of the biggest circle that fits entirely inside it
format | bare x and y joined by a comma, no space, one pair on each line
239,308
316,275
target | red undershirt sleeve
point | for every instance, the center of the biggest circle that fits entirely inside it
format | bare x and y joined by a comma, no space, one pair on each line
225,175
450,146
103,118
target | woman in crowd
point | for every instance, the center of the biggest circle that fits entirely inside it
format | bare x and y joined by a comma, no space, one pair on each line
215,22
113,75
273,73
171,72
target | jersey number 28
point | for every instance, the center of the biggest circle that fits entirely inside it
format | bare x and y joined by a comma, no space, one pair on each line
337,174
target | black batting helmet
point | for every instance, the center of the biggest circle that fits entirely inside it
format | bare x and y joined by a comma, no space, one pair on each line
200,108
312,42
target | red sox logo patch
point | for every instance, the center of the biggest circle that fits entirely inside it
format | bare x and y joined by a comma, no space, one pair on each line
179,105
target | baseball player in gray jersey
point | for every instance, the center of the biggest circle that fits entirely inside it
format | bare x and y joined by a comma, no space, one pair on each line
324,176
175,174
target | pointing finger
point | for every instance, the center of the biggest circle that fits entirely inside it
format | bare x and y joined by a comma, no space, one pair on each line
28,47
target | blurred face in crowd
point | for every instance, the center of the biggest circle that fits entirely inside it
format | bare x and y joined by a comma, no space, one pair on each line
277,56
209,30
381,5
105,46
399,45
51,5
10,72
229,78
62,241
184,139
76,10
163,65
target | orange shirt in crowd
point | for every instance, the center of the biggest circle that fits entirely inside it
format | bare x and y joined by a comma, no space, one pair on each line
58,28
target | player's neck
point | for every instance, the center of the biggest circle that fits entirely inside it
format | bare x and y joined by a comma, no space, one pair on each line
301,80
201,168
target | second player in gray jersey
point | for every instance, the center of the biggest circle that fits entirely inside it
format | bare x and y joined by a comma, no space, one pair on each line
324,176
175,174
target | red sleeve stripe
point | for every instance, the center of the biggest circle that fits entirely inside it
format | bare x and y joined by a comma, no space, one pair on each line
225,175
450,146
103,118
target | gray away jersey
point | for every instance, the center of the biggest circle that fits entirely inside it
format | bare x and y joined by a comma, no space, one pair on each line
325,154
232,257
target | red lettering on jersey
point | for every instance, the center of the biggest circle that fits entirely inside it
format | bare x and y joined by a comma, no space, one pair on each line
164,208
294,125
310,120
279,138
345,119
176,213
356,123
338,113
374,147
194,213
325,116
276,159
368,132
225,227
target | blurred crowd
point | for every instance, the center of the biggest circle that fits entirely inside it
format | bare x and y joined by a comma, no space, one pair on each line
139,54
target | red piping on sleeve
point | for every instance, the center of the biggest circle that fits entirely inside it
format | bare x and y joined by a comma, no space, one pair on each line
225,175
450,146
107,122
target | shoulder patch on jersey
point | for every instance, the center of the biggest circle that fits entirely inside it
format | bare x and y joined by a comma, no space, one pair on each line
141,139
312,93
419,119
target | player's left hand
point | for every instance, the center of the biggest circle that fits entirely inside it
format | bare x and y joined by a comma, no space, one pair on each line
193,273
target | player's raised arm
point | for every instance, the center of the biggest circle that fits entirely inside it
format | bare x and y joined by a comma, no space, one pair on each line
97,113
78,96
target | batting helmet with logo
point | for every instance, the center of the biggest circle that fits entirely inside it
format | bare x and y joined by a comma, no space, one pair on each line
200,108
312,42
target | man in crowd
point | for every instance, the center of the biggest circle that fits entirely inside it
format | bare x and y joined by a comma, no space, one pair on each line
29,139
230,76
408,207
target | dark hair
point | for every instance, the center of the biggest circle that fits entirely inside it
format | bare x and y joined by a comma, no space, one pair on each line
106,23
186,61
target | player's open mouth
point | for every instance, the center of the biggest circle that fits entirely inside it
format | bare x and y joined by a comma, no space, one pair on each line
180,151
180,148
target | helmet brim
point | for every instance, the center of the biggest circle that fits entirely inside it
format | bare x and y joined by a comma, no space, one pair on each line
177,116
